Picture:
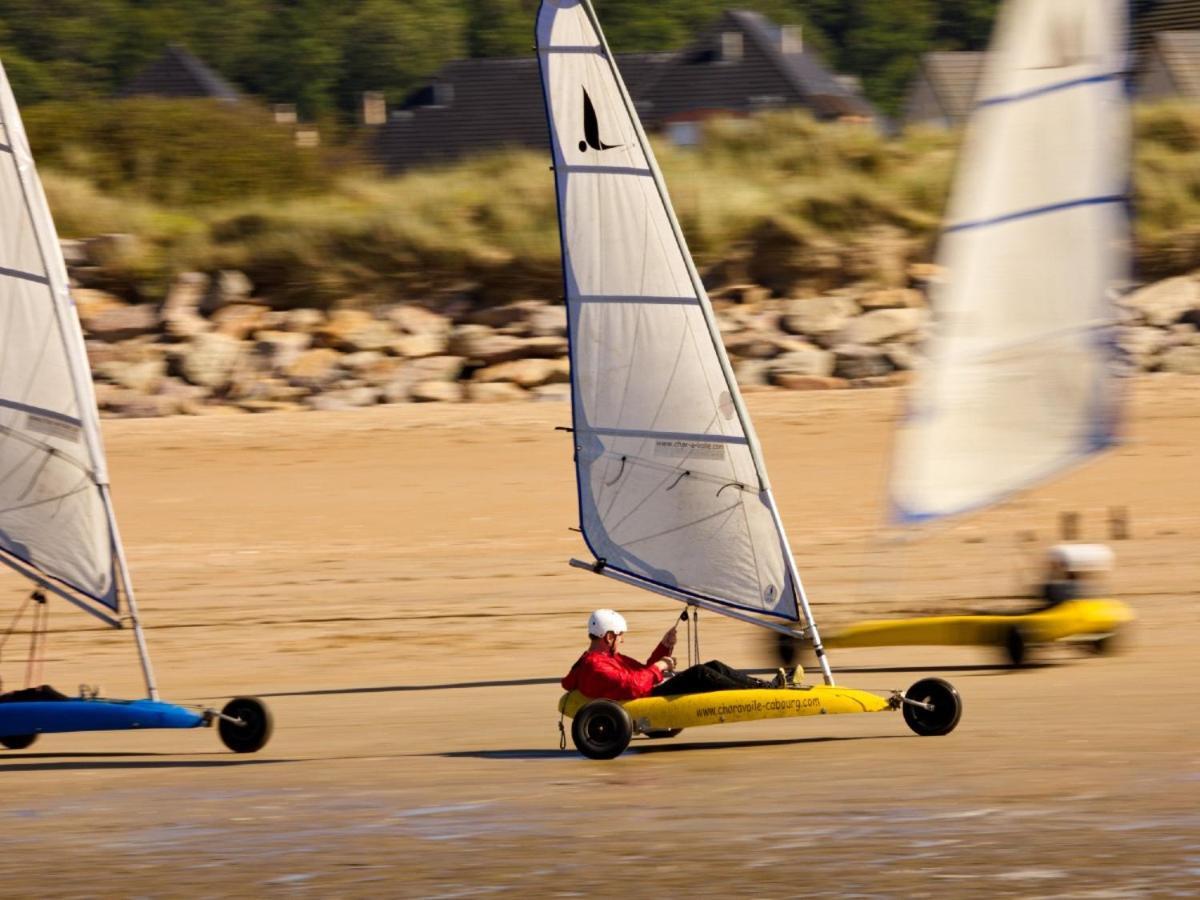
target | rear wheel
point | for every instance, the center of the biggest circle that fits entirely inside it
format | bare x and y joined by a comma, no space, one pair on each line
601,730
944,707
18,741
254,730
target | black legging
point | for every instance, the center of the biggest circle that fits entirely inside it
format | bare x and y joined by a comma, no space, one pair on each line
710,676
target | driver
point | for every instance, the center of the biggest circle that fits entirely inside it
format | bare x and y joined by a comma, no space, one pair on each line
604,672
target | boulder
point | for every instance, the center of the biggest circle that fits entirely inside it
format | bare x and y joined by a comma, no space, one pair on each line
806,360
314,368
74,252
118,323
225,288
142,377
356,329
1163,303
183,393
1183,360
414,346
180,310
548,320
483,345
752,372
417,320
528,373
818,315
89,302
127,404
855,361
751,345
304,320
263,406
210,359
436,391
435,368
554,393
882,325
795,382
892,298
239,320
349,398
279,349
495,392
902,356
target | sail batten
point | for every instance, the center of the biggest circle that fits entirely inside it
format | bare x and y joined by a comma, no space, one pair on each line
672,490
1020,378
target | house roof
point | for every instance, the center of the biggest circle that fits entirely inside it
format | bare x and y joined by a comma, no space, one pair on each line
1154,16
177,73
476,105
1180,53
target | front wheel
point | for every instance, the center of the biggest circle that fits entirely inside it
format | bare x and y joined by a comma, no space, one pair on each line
1016,648
601,729
18,741
944,707
253,727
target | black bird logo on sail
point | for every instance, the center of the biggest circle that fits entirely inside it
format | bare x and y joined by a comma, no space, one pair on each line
591,128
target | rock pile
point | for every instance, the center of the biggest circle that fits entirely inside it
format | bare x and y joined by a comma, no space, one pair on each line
211,346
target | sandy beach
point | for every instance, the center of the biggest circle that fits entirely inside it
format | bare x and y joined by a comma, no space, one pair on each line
394,582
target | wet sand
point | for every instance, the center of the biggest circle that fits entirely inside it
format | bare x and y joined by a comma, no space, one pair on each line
394,582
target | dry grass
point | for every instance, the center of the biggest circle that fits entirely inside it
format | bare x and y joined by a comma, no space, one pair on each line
488,226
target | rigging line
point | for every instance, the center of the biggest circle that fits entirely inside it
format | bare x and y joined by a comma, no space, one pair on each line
57,497
649,537
45,448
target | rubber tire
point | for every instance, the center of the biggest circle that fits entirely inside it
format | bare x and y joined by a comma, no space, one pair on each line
1016,648
18,741
947,707
601,729
663,733
251,737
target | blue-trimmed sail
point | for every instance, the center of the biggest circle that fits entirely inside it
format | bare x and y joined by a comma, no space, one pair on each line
671,484
1020,378
54,519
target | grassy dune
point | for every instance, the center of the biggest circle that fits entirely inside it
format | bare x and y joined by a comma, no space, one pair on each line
776,199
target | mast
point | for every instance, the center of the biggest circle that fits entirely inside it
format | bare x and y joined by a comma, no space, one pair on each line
705,448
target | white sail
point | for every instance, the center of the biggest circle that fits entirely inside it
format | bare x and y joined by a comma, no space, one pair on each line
54,517
671,484
1020,378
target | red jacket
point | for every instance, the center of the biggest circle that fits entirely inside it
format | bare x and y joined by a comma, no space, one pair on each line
614,676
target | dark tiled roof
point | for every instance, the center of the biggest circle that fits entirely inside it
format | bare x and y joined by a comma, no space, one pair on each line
1153,16
1180,52
177,73
477,105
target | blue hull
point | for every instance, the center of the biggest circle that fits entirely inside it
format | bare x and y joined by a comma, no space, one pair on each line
57,716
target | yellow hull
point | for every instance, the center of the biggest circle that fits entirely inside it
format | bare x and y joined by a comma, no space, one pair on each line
1073,619
751,705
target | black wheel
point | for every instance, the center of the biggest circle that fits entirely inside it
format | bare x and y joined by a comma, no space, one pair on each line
663,733
945,711
601,730
18,741
255,728
1109,645
1015,647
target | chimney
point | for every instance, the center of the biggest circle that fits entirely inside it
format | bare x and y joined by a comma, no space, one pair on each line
374,108
791,39
731,46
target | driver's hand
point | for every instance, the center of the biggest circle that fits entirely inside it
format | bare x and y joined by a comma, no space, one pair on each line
669,638
666,665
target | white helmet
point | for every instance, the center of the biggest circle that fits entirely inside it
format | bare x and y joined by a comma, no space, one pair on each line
1082,557
602,621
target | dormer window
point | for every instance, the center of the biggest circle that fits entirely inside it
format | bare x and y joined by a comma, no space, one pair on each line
443,94
791,39
731,47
